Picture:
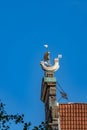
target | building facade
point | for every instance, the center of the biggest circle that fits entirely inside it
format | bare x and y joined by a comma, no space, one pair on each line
69,116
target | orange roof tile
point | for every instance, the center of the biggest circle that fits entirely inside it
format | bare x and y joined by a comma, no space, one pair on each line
73,116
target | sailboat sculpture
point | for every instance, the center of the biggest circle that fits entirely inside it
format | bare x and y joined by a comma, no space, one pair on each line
46,66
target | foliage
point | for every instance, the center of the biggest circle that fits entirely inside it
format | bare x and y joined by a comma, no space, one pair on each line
42,126
6,120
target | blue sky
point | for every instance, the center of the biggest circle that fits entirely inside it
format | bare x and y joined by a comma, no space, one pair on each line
25,26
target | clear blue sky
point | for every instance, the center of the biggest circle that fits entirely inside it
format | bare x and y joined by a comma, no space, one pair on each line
25,26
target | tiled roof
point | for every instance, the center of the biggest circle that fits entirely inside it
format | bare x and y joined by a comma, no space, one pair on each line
73,116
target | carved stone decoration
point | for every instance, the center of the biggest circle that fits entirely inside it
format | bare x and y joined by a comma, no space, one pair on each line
48,90
46,56
45,64
53,68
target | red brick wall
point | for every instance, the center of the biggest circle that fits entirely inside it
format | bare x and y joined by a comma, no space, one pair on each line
73,116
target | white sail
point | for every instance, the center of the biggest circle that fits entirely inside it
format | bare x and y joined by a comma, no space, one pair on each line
46,46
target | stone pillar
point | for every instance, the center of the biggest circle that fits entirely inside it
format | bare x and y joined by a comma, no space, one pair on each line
48,96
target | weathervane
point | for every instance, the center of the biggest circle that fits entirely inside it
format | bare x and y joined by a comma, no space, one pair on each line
45,64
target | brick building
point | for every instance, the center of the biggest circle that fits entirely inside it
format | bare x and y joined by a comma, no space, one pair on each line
69,116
